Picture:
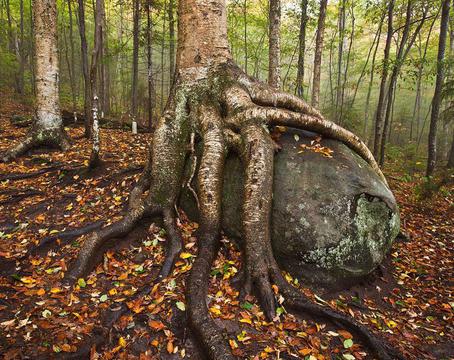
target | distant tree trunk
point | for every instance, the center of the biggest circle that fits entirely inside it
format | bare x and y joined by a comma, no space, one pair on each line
47,128
32,51
369,89
85,71
340,53
274,63
104,68
245,36
162,54
432,145
450,164
347,66
379,115
318,54
171,41
72,67
150,100
302,50
135,60
404,46
94,71
20,75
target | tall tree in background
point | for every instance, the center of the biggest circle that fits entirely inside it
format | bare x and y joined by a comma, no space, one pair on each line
72,65
150,100
379,114
436,101
274,63
404,45
171,41
302,49
94,83
85,70
228,110
340,54
135,59
318,54
47,128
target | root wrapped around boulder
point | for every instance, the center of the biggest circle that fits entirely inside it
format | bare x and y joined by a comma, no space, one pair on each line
333,218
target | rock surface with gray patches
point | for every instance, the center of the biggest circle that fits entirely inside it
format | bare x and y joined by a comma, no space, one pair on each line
333,219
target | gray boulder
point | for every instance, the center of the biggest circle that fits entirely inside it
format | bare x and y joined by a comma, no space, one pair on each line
333,219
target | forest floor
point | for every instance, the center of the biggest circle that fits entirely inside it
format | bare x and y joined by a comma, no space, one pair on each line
408,300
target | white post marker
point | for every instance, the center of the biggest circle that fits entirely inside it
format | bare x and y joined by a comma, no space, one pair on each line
134,127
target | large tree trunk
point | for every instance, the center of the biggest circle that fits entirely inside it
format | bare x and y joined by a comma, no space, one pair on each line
47,126
436,101
318,54
274,63
213,102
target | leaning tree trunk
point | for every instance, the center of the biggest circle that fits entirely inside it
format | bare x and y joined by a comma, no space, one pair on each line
214,101
47,128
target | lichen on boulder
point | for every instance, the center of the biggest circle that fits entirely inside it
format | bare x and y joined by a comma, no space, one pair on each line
333,218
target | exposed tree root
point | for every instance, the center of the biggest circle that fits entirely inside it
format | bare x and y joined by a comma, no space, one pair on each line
228,112
36,138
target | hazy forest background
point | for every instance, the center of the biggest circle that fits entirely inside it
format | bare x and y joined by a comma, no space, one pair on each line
351,67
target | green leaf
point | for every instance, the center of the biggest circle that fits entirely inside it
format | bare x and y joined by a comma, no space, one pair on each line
180,305
280,310
348,343
103,298
247,305
81,282
46,313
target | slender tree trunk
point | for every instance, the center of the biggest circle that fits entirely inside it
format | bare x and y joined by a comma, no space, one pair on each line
318,54
20,75
162,54
379,114
72,67
450,164
347,66
274,63
150,100
340,53
171,41
302,50
135,60
245,36
369,89
404,46
432,145
32,50
85,71
94,83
